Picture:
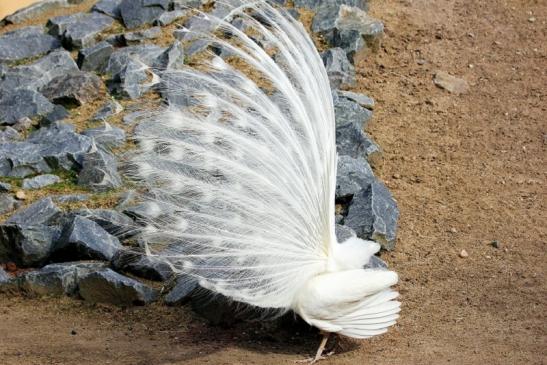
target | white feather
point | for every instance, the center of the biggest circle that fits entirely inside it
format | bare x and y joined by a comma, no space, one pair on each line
246,179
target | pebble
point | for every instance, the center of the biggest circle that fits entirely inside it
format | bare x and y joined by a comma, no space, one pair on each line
464,254
495,244
20,195
453,230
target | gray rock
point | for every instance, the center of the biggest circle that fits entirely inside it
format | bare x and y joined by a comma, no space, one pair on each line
44,211
106,135
172,58
313,4
21,103
361,99
146,267
83,239
35,10
55,146
145,53
25,43
58,114
187,4
136,13
142,35
339,69
108,7
4,277
197,46
79,30
181,291
21,159
347,27
376,263
343,233
5,187
95,58
99,171
9,134
38,74
72,198
352,176
75,88
373,214
115,223
40,181
170,17
107,286
133,80
350,112
355,143
7,203
27,246
57,279
111,108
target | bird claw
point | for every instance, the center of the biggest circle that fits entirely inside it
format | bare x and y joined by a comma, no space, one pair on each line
313,360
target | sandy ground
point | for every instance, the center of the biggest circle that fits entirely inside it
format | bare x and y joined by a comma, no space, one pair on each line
466,170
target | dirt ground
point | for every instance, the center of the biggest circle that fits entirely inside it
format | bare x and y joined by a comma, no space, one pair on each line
466,170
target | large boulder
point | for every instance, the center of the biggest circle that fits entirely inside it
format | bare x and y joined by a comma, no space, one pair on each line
136,13
79,30
73,89
107,286
99,171
44,211
83,239
20,103
141,265
373,214
26,43
27,246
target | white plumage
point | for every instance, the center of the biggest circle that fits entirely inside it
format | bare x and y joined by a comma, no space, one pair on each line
243,179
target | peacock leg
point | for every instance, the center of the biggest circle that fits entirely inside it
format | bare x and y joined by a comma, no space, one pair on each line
319,355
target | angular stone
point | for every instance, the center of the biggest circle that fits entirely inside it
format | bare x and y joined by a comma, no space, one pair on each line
373,214
35,10
339,69
108,7
75,88
111,108
350,112
83,239
181,291
44,211
27,246
99,171
172,58
142,35
38,74
142,266
57,279
343,233
115,223
187,4
4,277
361,99
9,134
348,27
22,103
136,13
58,114
170,17
106,135
107,286
7,203
145,53
5,187
40,181
25,43
95,58
79,30
352,176
72,198
450,83
21,159
134,79
376,263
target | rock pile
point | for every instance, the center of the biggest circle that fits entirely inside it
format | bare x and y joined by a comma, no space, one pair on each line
44,88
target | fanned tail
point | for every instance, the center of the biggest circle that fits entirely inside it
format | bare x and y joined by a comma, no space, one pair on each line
241,179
